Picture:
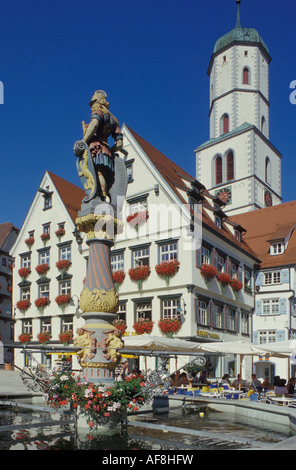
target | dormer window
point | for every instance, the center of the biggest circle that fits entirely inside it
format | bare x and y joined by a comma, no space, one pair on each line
277,248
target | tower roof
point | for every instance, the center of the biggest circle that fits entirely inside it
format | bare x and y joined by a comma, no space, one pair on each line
239,34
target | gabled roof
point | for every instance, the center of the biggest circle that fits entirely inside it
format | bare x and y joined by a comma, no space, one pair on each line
174,176
270,224
5,230
70,194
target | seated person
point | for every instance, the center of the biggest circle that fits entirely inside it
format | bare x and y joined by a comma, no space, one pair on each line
256,384
193,380
291,385
203,378
235,383
266,384
183,380
281,388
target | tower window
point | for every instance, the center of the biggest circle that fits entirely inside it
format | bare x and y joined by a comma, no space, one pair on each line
267,170
230,166
218,168
246,76
225,124
263,122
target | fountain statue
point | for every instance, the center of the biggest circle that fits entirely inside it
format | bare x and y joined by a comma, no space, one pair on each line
103,175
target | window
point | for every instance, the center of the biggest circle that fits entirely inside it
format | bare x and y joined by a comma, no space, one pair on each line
271,307
220,263
67,323
263,123
268,336
46,228
25,293
117,262
230,166
246,54
44,257
129,170
246,76
267,171
138,206
277,248
272,278
121,313
205,255
233,269
218,323
170,308
144,310
238,235
26,261
245,324
224,58
4,262
231,320
247,279
218,221
218,170
225,123
140,257
168,252
46,325
44,290
65,287
202,312
65,252
27,326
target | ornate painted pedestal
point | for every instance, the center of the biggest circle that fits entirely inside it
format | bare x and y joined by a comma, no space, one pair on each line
98,338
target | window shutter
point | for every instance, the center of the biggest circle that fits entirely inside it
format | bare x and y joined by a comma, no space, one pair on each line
258,307
198,256
283,306
218,164
255,337
196,310
259,279
230,166
284,275
280,335
211,313
237,320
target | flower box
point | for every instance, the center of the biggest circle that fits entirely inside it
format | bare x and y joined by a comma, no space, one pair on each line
138,218
118,278
42,302
60,232
25,338
42,268
24,272
30,241
167,269
23,305
66,337
120,326
63,264
142,326
236,284
45,237
44,337
208,271
139,274
224,279
169,326
63,300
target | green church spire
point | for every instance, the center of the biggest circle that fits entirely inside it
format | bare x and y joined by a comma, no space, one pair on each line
238,23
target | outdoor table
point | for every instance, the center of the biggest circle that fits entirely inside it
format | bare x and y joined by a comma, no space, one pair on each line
281,400
232,392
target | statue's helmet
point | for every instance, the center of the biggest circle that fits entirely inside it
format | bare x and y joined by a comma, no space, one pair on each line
99,96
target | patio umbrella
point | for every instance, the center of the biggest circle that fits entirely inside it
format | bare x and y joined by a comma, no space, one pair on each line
159,343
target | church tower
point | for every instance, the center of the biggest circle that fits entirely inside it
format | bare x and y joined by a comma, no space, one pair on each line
238,163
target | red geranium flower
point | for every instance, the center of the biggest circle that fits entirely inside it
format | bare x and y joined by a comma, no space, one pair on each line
208,271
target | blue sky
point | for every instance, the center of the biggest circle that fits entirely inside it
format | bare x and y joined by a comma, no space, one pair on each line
150,57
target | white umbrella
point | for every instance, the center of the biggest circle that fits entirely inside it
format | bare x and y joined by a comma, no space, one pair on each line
281,348
159,343
233,347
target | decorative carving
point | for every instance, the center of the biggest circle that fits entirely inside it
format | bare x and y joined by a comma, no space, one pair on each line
99,365
99,300
86,342
99,226
112,342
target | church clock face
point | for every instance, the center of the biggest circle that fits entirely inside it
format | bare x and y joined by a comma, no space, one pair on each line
225,195
268,199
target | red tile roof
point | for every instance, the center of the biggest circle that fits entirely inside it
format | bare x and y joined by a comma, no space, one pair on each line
174,175
71,195
5,230
270,224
